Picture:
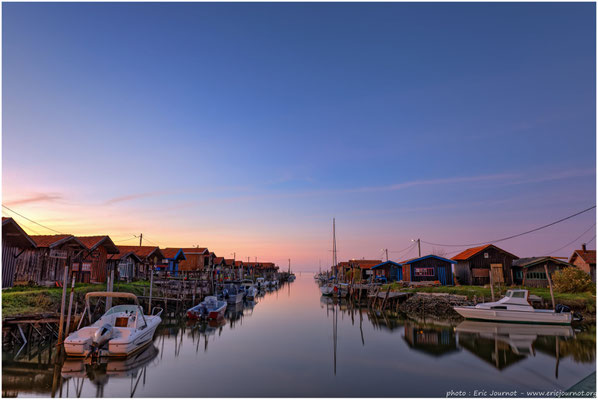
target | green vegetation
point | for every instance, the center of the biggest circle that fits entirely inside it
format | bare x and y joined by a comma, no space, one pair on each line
24,300
583,301
572,280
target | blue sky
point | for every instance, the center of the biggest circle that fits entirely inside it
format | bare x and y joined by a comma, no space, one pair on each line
247,127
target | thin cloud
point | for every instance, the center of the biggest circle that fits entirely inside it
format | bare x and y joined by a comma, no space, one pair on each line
36,198
130,197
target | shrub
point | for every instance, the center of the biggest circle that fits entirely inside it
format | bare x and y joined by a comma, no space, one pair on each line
571,280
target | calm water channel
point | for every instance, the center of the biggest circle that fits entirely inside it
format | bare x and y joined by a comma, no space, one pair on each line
292,342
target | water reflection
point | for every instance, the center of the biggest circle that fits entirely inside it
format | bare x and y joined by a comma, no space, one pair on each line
292,342
101,371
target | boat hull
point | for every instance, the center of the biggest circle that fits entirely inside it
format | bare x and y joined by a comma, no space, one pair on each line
120,346
513,316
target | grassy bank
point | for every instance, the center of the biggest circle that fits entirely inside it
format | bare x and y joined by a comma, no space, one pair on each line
26,300
585,302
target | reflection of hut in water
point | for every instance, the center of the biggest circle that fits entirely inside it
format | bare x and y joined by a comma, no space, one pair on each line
430,339
495,352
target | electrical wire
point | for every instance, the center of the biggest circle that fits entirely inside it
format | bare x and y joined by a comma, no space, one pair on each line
573,241
30,220
125,240
148,240
406,248
513,236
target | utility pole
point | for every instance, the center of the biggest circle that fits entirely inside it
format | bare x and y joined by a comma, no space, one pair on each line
386,250
419,246
140,239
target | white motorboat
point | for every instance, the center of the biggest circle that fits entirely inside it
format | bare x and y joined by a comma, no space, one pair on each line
274,283
327,289
121,331
233,294
210,308
261,283
250,289
514,307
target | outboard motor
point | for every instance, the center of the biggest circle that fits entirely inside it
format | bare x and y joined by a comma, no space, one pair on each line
560,308
101,336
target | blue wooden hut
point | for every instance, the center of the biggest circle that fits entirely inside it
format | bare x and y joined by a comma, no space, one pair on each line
390,269
429,268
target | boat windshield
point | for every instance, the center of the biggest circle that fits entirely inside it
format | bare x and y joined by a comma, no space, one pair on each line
516,294
128,308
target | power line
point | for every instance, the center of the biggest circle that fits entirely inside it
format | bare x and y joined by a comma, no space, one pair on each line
147,240
125,240
406,248
513,236
30,220
573,241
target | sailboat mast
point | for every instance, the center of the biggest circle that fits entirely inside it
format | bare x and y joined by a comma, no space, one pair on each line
334,247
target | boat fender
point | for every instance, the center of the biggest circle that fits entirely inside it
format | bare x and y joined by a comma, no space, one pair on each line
336,288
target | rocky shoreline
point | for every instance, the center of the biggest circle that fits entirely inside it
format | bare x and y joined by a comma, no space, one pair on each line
434,305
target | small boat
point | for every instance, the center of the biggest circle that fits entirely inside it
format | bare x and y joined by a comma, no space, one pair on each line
233,294
514,307
261,283
250,289
121,331
210,308
327,289
274,283
292,277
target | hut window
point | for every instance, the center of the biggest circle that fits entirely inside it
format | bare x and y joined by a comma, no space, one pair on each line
536,275
519,274
424,271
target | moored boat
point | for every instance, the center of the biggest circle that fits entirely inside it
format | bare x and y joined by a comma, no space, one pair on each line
121,331
210,308
514,307
233,294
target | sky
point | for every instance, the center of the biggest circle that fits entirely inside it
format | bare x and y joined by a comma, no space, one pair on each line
246,128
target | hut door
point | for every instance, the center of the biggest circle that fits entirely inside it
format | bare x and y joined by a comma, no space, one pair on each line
441,275
497,274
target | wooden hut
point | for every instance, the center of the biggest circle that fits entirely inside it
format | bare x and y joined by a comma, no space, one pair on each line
391,270
172,257
360,269
44,265
150,257
14,242
196,259
474,265
126,265
94,266
585,260
530,271
428,268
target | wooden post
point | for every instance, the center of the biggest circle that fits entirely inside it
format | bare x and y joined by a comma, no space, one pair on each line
68,318
491,284
149,303
63,301
550,285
